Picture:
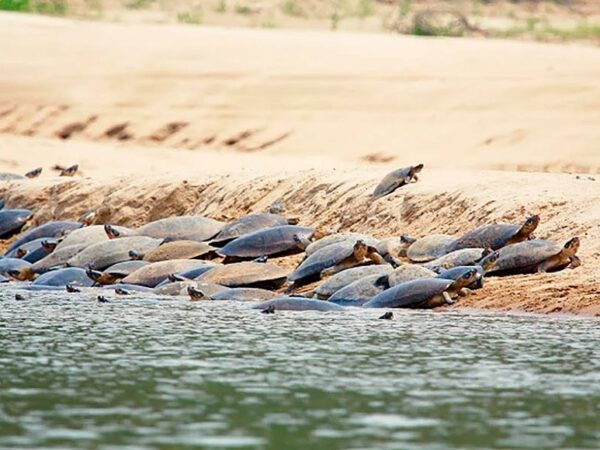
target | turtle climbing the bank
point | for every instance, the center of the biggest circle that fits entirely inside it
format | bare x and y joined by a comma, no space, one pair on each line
537,256
496,236
429,247
396,179
484,266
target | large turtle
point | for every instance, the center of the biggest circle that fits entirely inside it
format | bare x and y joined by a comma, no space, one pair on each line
536,256
106,253
333,259
484,266
23,250
47,230
273,241
429,247
409,272
234,294
346,277
57,259
116,272
463,257
152,274
312,247
361,291
246,274
61,277
423,293
11,222
498,235
184,249
298,304
193,228
88,236
249,224
396,179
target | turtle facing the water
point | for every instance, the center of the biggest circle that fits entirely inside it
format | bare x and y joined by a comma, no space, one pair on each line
396,179
484,266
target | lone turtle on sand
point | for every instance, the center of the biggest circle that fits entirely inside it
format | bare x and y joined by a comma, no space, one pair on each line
396,179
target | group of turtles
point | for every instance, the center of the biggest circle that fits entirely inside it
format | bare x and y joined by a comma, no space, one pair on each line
206,259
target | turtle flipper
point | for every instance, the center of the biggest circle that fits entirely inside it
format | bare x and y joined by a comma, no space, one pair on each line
448,299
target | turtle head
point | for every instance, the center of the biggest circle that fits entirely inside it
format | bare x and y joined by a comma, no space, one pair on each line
111,231
25,274
360,250
488,262
530,225
49,245
301,241
469,277
94,275
293,220
88,218
417,168
195,294
21,253
572,246
173,277
136,256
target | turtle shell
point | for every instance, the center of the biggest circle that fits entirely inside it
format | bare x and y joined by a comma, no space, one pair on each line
152,274
11,222
464,257
193,228
337,238
248,224
57,258
122,269
87,236
270,241
298,304
344,278
412,294
180,250
525,256
62,277
244,294
493,236
245,274
409,272
457,272
391,182
429,247
27,248
322,259
361,291
8,264
35,254
47,230
106,253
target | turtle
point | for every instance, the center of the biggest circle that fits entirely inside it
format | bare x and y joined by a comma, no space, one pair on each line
409,272
537,256
72,289
498,235
116,272
463,257
361,291
152,274
34,173
128,287
312,247
234,294
87,236
248,224
188,288
114,232
13,267
391,249
24,249
102,299
57,259
6,176
246,274
396,179
69,171
273,241
193,228
429,247
298,304
346,277
180,250
332,259
47,230
423,293
61,277
485,265
387,316
104,254
35,254
12,221
190,274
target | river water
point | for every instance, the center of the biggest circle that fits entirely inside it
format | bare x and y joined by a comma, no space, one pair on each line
147,373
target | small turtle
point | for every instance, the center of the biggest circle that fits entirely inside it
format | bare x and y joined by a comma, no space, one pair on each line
61,277
13,267
248,224
180,250
409,272
34,173
246,274
121,291
423,293
152,274
106,253
429,247
19,297
69,171
361,291
498,235
387,316
102,299
72,289
57,259
483,267
346,277
273,241
87,236
12,221
193,228
116,272
336,238
333,259
269,310
203,291
396,179
463,257
24,249
536,256
47,230
298,304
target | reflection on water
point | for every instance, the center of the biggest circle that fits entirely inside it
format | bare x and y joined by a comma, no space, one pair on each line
140,374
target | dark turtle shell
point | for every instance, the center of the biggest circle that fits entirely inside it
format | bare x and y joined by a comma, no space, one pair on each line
270,241
392,181
152,274
193,228
349,276
11,222
248,224
337,238
58,258
322,259
47,230
180,250
429,247
524,256
104,254
245,274
361,291
244,294
298,304
62,277
36,254
492,236
412,294
456,273
409,272
463,257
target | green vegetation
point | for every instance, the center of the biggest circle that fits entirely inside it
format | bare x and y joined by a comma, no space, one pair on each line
138,4
543,31
221,6
190,17
291,8
14,5
242,9
49,7
365,8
